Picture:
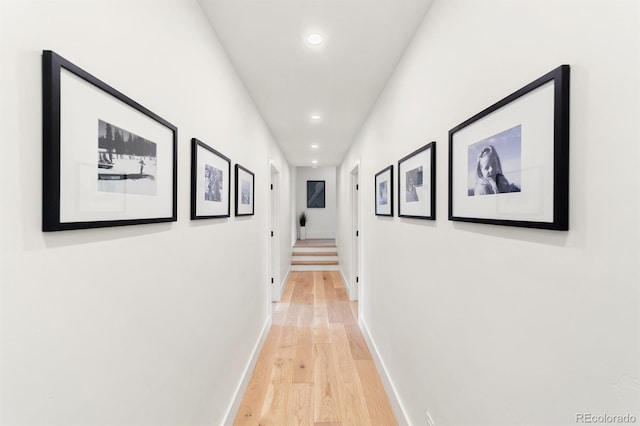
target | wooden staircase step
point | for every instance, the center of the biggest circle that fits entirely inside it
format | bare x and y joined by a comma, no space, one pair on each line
315,247
315,262
315,253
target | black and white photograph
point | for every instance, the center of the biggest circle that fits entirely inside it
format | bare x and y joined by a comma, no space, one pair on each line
315,194
495,162
210,182
508,165
413,181
416,183
245,187
214,179
384,192
245,195
107,160
127,163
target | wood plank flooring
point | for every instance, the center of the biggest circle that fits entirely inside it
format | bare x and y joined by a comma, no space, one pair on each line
315,367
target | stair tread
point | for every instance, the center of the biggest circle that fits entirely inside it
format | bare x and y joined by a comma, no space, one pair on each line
315,253
314,262
315,246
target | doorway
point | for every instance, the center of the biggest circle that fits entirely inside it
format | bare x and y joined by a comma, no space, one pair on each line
274,237
354,288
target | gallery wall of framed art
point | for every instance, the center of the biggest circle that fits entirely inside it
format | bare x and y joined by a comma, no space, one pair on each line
92,280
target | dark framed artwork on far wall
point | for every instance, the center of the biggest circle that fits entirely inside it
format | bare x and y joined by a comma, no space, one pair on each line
417,184
244,191
210,182
107,160
509,164
316,194
384,192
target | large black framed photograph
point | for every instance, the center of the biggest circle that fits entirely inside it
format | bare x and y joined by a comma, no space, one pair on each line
509,164
245,181
210,182
315,194
417,184
384,192
107,160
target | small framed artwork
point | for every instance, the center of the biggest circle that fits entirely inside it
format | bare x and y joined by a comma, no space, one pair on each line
315,194
384,192
509,164
417,184
210,182
107,160
244,191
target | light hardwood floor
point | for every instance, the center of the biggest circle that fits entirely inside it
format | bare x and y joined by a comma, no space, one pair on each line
315,367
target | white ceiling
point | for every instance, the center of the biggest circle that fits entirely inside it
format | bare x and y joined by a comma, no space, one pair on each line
290,80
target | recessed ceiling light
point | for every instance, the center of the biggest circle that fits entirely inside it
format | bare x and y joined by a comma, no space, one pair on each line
315,117
314,146
315,161
314,39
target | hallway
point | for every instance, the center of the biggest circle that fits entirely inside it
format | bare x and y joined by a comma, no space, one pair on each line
315,367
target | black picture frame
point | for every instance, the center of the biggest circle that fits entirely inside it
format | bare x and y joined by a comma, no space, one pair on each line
104,183
210,182
529,186
245,183
384,192
316,198
417,184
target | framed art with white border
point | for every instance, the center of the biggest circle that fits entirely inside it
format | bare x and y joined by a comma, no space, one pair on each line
417,184
384,192
210,182
509,164
107,160
245,181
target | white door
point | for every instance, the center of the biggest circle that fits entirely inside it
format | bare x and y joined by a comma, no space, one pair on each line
274,243
355,197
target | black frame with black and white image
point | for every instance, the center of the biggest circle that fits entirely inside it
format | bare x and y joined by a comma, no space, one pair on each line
316,194
107,160
245,181
417,184
210,182
384,192
509,164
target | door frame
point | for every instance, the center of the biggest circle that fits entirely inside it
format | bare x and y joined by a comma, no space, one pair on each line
274,279
356,246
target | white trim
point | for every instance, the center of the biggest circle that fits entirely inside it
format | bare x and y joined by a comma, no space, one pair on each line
284,283
356,247
346,283
246,375
394,399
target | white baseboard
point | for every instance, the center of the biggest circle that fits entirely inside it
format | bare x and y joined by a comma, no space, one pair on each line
246,375
346,283
283,283
396,404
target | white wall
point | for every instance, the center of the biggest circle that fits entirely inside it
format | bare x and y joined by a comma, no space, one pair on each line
138,325
490,325
321,223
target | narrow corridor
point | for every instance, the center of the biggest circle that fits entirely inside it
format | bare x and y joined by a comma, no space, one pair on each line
315,367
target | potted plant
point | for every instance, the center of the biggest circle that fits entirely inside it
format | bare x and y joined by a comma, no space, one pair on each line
303,223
